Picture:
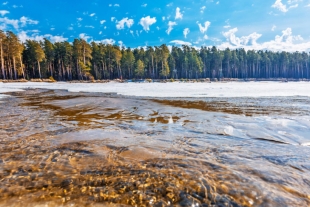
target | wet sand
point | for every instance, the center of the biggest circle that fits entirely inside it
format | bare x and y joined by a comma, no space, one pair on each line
89,149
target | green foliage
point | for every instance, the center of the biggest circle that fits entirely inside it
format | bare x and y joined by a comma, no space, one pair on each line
83,60
139,69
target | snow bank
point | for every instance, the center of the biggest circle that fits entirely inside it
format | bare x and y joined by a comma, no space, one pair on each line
231,89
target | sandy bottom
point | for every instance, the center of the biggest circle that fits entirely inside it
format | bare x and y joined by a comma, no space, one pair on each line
75,149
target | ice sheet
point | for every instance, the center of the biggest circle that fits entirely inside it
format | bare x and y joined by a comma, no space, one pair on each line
230,89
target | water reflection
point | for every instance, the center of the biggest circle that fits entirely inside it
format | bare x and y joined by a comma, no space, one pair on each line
59,148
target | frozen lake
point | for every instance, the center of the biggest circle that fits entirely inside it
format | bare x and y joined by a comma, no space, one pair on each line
230,89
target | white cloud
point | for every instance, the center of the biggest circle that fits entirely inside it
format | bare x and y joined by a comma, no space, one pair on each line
178,14
25,20
5,3
56,38
170,26
84,36
90,26
92,14
108,41
293,1
144,5
16,6
293,6
282,7
202,9
227,24
279,5
244,40
287,37
4,22
180,42
112,19
23,36
102,21
146,22
273,28
205,37
204,28
4,12
186,32
121,44
115,5
285,42
125,21
79,19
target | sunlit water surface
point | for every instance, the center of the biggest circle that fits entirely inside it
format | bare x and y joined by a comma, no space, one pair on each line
60,148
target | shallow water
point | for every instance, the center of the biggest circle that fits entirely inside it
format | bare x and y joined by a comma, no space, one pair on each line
78,149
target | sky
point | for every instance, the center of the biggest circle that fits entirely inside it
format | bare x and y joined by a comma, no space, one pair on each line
251,24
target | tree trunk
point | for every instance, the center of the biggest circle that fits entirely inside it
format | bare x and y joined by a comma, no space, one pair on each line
153,67
102,69
14,66
51,68
63,70
10,69
2,61
22,66
39,68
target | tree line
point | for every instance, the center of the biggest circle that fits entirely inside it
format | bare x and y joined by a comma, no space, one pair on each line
80,60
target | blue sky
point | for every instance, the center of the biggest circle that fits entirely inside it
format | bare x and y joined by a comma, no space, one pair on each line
250,24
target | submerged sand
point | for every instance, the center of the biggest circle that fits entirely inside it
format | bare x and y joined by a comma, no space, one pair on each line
89,149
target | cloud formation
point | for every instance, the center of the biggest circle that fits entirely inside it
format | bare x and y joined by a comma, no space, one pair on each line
284,42
186,31
178,14
282,7
178,21
84,36
125,21
243,41
108,41
146,22
4,12
25,20
204,28
170,27
180,42
23,36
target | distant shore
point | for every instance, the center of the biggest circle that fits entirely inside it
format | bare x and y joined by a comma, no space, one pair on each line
202,80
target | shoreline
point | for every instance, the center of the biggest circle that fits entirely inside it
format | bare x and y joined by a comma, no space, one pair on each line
202,80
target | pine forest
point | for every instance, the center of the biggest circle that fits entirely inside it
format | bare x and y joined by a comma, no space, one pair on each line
81,60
